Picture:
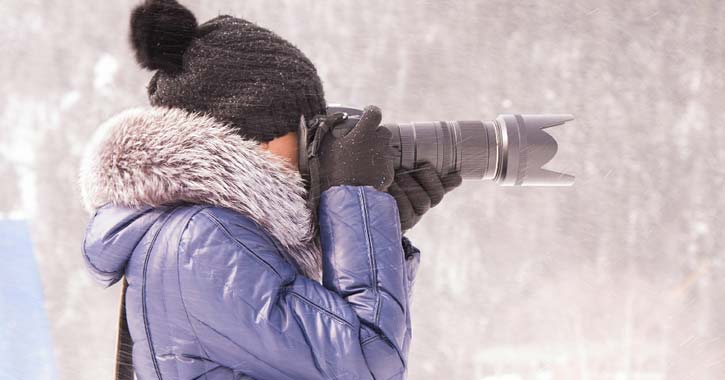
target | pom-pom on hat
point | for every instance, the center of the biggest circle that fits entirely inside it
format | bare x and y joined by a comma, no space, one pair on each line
227,67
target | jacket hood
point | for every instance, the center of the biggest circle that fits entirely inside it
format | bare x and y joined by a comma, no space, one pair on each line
147,157
110,238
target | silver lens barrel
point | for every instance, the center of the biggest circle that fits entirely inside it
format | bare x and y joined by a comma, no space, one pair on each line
468,147
509,150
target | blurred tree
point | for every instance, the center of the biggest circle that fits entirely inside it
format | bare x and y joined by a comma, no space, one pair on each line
9,191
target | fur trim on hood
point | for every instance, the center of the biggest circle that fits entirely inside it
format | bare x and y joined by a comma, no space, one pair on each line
152,156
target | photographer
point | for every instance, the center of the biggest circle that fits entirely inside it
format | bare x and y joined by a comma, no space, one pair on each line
197,203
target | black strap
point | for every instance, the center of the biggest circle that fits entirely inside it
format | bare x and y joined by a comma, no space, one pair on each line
318,128
124,344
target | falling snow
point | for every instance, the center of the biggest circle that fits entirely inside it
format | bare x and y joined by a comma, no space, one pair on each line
620,277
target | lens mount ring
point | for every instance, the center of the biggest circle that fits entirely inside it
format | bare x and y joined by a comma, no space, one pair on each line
502,147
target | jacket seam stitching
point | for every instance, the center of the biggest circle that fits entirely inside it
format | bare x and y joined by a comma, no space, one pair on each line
370,339
220,334
152,351
229,235
333,257
325,311
371,256
305,336
178,277
377,292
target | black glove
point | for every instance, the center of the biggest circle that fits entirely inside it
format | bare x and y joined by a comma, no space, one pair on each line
417,190
362,157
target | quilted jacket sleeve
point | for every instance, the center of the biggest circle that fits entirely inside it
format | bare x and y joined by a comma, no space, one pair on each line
365,263
252,312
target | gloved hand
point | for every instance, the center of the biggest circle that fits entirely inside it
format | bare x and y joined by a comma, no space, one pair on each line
362,157
417,190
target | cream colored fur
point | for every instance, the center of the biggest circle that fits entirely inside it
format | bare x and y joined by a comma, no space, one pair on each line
157,155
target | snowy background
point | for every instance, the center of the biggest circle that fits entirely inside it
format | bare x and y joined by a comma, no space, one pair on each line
620,277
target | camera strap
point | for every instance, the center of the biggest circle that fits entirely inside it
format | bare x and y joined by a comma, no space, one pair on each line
318,127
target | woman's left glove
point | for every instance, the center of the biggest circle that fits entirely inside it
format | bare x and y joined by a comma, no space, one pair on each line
417,190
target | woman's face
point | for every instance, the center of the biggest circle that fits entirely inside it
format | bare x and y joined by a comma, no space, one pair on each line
286,147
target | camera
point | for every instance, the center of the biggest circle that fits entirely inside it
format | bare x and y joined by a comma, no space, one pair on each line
509,150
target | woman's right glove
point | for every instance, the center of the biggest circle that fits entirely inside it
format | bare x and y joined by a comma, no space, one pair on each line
417,190
362,157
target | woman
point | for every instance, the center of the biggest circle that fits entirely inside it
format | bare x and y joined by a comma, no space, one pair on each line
198,202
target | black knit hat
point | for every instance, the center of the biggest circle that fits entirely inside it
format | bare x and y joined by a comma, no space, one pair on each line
228,68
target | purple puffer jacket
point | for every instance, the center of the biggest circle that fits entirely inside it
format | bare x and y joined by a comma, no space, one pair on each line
221,266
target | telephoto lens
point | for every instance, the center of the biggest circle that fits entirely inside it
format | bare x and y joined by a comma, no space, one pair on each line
509,150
